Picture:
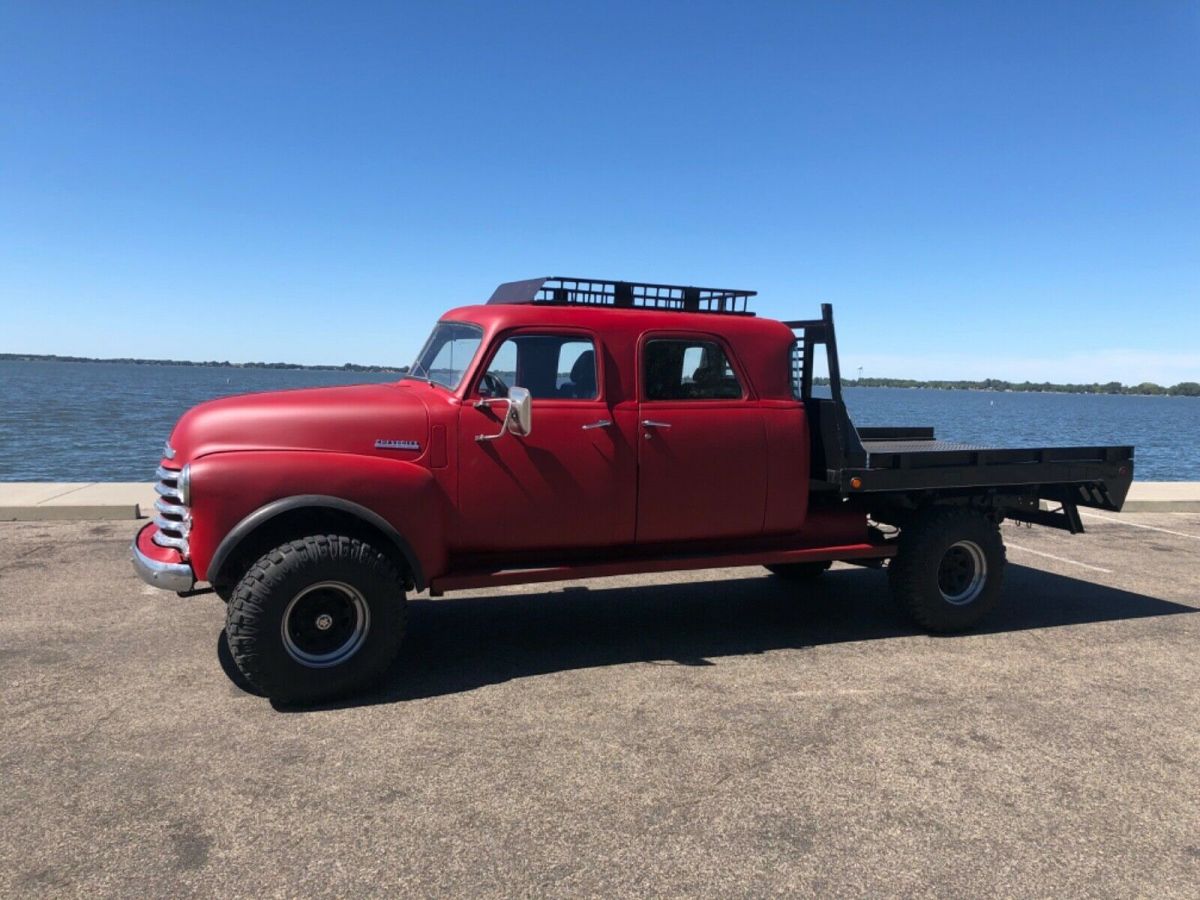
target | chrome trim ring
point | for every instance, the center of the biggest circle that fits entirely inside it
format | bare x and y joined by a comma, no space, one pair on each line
325,624
962,573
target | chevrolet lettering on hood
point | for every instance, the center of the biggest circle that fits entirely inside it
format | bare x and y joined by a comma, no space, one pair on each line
387,444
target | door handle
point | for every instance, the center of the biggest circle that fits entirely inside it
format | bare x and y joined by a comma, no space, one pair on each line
599,423
650,423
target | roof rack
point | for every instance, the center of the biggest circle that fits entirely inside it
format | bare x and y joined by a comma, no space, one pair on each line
560,290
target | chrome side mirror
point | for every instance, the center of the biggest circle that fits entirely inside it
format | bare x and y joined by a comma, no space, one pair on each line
520,411
518,415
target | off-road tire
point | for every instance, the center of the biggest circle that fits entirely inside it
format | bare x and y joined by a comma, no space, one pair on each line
915,573
255,614
806,571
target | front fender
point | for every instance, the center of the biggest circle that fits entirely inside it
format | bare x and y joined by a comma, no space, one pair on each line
227,489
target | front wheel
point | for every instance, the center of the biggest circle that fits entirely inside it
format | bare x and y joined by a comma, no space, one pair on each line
316,618
948,571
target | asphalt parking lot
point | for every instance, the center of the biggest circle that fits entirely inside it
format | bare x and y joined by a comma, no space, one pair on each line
709,733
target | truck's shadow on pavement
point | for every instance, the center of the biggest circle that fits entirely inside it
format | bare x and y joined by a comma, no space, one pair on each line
459,644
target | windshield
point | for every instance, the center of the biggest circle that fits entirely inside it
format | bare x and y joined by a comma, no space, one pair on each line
447,353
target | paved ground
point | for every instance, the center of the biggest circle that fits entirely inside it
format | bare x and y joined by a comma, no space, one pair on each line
32,501
712,733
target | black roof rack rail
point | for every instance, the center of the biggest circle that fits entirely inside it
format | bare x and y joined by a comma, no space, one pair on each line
561,290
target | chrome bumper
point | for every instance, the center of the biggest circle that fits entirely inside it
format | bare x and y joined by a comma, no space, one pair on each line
176,577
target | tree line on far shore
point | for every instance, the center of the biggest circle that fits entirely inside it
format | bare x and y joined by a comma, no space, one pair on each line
207,364
1183,389
1146,388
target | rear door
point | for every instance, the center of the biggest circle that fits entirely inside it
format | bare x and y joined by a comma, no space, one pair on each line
701,442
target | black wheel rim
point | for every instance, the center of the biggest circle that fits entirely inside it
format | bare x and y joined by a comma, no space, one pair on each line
325,624
962,573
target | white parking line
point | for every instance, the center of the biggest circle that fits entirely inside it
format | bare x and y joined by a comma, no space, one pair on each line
1194,537
1058,558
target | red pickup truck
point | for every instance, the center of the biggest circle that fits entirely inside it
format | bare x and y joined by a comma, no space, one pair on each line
574,428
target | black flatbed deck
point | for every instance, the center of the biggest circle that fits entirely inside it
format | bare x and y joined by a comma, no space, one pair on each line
911,459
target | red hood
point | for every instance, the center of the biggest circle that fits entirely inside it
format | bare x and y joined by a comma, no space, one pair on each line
348,419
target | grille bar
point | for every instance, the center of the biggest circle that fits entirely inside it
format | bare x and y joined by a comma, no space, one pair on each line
174,521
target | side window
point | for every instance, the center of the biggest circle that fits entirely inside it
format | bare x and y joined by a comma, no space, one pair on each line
677,369
550,366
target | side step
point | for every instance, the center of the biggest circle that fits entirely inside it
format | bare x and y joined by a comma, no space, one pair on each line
484,578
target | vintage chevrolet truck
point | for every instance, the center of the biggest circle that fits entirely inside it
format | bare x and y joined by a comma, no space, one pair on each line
575,428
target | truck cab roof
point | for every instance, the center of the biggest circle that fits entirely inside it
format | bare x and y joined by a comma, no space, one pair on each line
621,312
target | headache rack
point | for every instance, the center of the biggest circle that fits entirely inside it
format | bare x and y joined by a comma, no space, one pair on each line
835,441
560,290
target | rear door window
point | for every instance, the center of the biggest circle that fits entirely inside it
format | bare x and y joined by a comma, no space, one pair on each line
688,369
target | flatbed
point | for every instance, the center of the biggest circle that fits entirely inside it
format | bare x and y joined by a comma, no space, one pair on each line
890,469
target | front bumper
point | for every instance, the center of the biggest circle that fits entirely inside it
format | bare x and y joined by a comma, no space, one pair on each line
176,577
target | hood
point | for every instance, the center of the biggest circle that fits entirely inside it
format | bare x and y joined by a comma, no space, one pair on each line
348,419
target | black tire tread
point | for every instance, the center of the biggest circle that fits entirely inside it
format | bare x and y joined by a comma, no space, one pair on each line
248,610
922,544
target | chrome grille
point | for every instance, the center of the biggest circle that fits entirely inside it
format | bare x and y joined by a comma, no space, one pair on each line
174,519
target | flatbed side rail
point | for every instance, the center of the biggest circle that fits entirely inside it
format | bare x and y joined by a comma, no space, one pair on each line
1097,477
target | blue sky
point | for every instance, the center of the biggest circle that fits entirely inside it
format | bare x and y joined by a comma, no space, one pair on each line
981,189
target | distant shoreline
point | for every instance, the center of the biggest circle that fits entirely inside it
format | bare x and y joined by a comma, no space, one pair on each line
209,364
994,385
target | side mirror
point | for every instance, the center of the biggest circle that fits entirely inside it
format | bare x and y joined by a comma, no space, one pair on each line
518,417
520,410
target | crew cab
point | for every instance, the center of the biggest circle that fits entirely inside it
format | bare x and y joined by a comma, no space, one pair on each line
573,428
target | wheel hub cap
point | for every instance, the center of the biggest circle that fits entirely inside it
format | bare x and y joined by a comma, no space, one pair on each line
962,573
325,624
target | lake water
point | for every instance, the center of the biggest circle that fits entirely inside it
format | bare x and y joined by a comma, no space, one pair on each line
108,421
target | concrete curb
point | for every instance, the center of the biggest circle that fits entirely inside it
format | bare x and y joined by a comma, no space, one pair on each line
1163,496
40,501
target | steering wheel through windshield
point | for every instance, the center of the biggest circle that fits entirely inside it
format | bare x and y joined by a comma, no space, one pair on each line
492,385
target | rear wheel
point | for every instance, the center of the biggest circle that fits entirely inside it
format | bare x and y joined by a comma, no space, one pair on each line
800,571
316,618
948,571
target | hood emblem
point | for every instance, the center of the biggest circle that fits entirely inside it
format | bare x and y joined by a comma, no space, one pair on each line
388,444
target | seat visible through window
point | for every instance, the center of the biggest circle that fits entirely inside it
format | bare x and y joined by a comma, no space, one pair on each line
680,369
549,366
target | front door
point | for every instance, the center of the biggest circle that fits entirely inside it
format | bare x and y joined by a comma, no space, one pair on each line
701,444
571,481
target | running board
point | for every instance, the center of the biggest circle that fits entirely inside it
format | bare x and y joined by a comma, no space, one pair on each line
485,578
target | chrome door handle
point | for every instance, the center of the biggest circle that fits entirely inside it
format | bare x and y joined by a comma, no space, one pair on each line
650,423
599,423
